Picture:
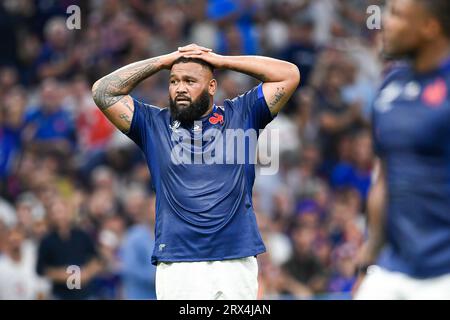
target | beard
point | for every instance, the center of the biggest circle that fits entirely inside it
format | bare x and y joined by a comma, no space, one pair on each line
390,55
391,50
188,114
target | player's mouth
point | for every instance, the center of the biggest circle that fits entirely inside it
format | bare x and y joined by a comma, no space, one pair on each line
183,100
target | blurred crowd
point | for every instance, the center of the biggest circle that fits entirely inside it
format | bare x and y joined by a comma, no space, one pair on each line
76,192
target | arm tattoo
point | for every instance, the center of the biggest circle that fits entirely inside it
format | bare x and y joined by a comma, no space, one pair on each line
276,98
113,87
128,106
125,117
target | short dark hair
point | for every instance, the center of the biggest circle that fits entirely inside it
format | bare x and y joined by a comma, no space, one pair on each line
194,60
441,10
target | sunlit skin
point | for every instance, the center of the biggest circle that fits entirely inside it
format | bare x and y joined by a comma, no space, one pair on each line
187,81
411,31
402,27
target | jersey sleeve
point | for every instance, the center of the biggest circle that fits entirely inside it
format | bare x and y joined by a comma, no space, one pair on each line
253,105
142,122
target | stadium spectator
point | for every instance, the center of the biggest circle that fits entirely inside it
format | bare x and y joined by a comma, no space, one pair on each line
49,126
18,277
66,246
357,172
138,275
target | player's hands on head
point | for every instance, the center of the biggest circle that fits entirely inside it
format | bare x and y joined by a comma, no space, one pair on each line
189,50
193,49
216,60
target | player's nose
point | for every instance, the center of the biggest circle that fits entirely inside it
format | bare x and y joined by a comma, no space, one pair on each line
181,89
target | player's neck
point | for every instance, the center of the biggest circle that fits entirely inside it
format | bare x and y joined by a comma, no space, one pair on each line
430,57
209,110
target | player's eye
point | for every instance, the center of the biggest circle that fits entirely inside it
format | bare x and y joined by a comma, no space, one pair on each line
173,82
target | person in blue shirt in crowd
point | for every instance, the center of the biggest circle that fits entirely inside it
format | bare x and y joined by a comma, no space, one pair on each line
206,236
235,18
138,275
409,202
356,173
11,125
49,125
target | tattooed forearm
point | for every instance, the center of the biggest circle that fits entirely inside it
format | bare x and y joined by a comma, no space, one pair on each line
113,87
276,97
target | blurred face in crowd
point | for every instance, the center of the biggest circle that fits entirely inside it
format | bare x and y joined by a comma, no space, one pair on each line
101,203
60,214
407,26
303,238
15,103
80,87
335,78
302,32
24,214
103,178
191,89
50,95
309,219
14,240
8,77
340,214
57,33
362,150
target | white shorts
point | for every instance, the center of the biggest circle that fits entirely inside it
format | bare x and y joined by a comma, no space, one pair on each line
235,279
381,284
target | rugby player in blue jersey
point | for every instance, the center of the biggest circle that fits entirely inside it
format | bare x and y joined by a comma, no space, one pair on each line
206,236
409,203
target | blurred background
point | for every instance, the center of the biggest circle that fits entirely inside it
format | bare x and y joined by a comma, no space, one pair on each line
64,167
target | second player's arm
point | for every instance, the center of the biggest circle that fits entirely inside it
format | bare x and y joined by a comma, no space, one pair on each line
376,211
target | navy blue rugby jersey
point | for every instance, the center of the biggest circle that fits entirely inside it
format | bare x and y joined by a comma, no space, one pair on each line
203,188
411,129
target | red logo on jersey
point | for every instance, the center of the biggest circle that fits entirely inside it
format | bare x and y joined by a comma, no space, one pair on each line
434,94
216,118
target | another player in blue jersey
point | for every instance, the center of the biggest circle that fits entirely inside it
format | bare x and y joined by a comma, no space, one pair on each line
409,203
206,236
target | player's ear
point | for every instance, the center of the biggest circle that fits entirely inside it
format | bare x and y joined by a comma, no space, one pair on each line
432,28
212,86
